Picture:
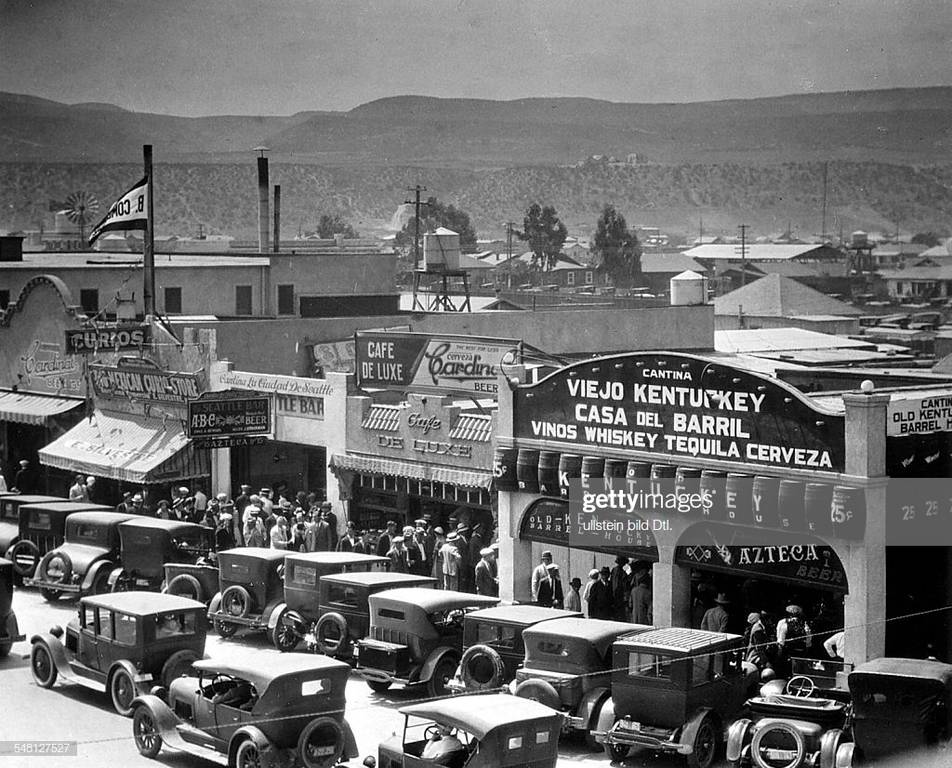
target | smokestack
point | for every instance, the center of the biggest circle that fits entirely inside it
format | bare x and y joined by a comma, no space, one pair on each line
263,205
277,218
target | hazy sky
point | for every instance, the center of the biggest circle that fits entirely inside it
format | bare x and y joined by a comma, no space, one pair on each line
194,57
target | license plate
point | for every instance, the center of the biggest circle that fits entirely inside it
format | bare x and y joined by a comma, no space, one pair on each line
631,725
321,751
142,582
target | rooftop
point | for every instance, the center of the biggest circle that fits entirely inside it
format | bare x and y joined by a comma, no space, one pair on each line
55,261
777,296
755,251
782,340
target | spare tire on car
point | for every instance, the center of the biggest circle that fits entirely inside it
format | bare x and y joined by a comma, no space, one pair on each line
482,668
333,635
236,601
541,691
321,743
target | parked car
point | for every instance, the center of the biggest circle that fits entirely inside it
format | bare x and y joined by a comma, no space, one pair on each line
493,647
24,558
289,711
122,644
491,731
82,564
9,631
148,543
198,581
675,690
799,724
899,705
344,608
303,572
416,637
250,589
568,667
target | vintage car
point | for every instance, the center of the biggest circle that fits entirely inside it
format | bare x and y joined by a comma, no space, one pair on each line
303,572
25,557
250,590
493,648
288,711
416,637
482,731
9,631
792,722
82,563
675,690
148,543
344,608
123,644
899,705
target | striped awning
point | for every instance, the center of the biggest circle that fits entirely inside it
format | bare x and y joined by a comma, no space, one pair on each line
375,465
383,418
23,408
476,427
134,449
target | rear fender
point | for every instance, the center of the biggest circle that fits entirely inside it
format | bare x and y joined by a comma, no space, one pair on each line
114,576
426,671
273,614
689,731
215,605
589,706
253,732
350,743
57,653
142,680
606,717
93,572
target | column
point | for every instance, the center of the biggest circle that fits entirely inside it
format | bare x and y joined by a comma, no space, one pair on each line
515,556
670,591
220,458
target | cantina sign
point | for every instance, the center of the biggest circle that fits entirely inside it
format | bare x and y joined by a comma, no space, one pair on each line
423,362
680,405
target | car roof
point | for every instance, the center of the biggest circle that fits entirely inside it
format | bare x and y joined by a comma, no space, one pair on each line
480,714
521,614
433,599
33,498
142,603
334,558
67,506
372,578
99,516
594,631
911,668
679,638
254,553
138,521
261,673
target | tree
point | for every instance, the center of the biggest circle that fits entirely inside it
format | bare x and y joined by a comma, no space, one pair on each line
616,248
931,239
545,234
434,215
333,224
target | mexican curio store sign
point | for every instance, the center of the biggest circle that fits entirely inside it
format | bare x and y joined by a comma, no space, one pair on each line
680,405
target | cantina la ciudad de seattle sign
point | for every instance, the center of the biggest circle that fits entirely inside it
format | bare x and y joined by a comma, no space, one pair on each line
680,406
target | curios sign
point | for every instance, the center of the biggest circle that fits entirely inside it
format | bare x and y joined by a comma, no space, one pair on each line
89,341
680,405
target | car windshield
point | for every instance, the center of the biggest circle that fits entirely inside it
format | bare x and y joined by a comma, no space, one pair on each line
174,624
430,740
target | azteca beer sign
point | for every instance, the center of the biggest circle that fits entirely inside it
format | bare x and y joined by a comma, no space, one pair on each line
680,405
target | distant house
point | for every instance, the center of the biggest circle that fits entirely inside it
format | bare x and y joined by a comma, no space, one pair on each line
731,253
891,255
927,282
659,268
824,276
775,301
566,273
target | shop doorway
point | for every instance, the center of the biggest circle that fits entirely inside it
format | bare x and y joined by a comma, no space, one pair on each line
917,582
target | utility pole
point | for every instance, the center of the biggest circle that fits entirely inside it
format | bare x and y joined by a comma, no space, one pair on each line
826,167
743,254
416,203
148,242
509,226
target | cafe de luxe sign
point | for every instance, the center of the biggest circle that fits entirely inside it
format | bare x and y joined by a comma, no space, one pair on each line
680,406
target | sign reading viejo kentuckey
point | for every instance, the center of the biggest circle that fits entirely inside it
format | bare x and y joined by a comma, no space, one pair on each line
680,405
229,416
424,362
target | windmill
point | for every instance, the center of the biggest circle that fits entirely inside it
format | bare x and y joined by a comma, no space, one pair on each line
80,209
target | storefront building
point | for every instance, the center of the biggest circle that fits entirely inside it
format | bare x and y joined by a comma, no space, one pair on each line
795,488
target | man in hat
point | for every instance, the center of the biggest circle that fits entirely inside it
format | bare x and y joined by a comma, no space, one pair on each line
419,538
125,505
540,573
399,556
550,588
242,500
327,513
137,502
349,539
384,542
364,545
716,618
320,536
641,600
600,603
486,582
756,636
413,549
267,506
621,588
77,491
224,538
587,589
467,563
201,501
573,600
24,481
793,633
436,567
450,558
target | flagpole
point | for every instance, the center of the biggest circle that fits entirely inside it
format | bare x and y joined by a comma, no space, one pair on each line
148,246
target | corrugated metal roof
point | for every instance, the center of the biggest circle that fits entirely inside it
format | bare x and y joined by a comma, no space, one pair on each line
782,340
778,296
476,427
383,418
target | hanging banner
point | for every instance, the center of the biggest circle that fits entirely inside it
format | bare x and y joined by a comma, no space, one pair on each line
680,405
423,362
128,212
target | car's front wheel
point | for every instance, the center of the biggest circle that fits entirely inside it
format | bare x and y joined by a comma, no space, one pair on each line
145,733
285,635
248,755
225,628
705,745
42,666
122,689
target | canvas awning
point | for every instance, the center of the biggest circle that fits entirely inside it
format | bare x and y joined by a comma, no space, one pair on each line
23,408
375,465
131,448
